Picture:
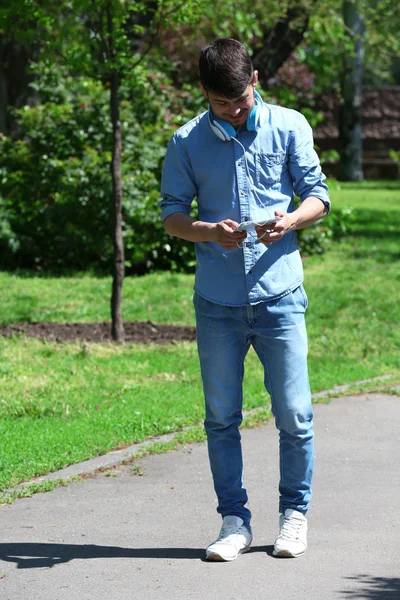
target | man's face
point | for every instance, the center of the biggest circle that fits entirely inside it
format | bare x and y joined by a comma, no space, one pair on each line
234,111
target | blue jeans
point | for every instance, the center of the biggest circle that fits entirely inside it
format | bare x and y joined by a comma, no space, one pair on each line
278,334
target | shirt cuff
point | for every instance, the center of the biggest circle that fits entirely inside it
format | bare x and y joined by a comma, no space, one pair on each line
170,209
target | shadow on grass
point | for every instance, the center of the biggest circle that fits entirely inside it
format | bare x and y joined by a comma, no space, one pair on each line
23,307
37,556
367,184
380,255
58,273
372,588
390,185
377,235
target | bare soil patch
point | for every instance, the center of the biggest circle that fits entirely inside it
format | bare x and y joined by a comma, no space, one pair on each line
135,332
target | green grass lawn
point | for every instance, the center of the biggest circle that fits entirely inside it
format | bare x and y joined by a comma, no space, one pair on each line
159,297
62,403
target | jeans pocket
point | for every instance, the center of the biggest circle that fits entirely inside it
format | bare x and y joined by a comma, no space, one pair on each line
295,302
304,296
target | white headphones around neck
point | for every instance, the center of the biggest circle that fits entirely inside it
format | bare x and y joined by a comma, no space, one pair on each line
256,119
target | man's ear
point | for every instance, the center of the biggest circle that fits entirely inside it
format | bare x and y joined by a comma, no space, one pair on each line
255,79
203,90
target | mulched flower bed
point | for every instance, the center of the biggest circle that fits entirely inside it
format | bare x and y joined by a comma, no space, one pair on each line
135,332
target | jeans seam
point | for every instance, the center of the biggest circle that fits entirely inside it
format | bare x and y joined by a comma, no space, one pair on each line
239,412
281,457
239,408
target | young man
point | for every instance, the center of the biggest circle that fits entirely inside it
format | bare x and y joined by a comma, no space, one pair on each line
242,160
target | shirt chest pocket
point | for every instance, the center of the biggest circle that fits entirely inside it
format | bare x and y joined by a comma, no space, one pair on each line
269,167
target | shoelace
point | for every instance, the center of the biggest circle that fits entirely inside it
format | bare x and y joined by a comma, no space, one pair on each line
291,527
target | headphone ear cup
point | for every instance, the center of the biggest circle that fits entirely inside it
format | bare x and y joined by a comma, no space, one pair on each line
258,115
252,119
222,129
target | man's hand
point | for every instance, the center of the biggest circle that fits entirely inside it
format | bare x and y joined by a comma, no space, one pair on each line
268,234
226,236
312,209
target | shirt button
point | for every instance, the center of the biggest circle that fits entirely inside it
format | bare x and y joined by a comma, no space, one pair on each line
243,192
250,272
246,218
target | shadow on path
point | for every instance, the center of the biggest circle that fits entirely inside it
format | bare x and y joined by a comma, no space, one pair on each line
373,588
36,555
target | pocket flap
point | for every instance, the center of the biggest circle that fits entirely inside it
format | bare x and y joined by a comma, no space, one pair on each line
270,160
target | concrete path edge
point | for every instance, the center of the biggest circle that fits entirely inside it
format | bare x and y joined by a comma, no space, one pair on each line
116,457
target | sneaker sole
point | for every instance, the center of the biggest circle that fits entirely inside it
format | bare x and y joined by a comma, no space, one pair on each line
215,557
286,554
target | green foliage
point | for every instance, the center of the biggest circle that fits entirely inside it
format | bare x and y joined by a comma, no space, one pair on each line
55,186
328,156
328,41
285,95
54,182
318,238
55,189
68,221
66,148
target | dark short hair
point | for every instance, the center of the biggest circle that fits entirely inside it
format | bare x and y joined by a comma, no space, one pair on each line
225,68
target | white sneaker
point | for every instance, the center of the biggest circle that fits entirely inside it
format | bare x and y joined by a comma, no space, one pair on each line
234,539
292,539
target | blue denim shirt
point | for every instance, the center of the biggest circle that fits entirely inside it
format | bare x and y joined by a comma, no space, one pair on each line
279,159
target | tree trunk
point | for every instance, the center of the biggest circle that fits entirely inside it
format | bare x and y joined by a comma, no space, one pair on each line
117,328
350,108
14,81
279,42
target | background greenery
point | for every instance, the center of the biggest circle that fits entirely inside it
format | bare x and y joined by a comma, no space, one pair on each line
55,184
55,187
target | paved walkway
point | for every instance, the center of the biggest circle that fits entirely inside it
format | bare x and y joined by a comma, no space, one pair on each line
143,537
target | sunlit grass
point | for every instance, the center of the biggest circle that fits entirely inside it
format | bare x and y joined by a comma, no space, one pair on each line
158,297
63,403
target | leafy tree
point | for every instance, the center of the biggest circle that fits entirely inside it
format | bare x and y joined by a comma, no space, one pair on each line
271,30
352,42
119,35
55,184
15,79
107,40
337,39
350,107
118,47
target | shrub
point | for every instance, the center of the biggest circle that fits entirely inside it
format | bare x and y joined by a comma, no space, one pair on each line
55,183
318,238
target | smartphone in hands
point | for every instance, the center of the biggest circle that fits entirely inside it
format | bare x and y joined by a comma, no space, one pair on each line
246,225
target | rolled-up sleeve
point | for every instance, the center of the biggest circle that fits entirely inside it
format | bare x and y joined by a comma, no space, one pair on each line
304,166
178,187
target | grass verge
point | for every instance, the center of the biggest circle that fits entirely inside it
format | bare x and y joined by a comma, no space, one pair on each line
61,404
